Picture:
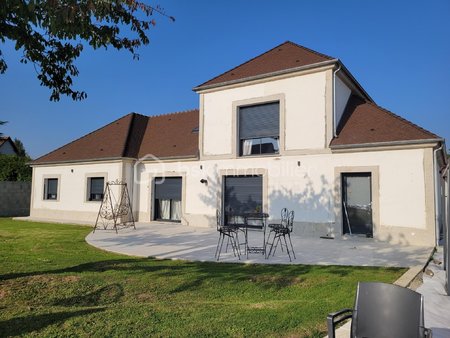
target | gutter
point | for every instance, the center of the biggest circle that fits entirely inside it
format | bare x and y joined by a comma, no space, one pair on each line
436,177
105,159
170,158
334,99
381,144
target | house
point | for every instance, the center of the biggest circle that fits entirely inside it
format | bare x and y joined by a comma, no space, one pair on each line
289,128
7,146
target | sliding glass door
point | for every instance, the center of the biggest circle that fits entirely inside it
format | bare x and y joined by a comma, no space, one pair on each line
167,199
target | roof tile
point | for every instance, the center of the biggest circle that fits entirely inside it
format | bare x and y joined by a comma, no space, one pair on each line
285,56
134,136
171,135
364,122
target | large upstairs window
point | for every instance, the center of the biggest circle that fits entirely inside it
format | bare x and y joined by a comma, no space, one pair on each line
259,129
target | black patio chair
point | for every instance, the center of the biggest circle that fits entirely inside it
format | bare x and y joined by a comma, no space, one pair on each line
280,232
228,231
383,310
273,226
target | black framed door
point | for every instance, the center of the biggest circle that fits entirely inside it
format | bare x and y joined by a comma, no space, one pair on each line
357,203
167,199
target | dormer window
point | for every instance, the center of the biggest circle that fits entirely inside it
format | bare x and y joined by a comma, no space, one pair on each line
259,129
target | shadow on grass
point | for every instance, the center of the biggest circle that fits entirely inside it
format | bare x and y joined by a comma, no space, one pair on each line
108,294
274,276
26,324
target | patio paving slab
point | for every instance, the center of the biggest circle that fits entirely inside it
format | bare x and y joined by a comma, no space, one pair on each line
175,241
436,301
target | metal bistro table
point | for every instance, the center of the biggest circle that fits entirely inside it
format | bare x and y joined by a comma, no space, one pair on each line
255,221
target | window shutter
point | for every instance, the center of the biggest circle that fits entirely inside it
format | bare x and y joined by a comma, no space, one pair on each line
168,188
259,121
243,194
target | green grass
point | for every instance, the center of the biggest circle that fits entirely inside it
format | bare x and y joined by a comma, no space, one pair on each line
54,284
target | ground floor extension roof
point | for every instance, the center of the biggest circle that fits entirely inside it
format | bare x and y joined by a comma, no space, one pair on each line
134,136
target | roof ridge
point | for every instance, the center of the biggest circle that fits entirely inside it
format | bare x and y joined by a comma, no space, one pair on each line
412,124
311,50
266,52
137,114
79,138
127,138
174,113
244,63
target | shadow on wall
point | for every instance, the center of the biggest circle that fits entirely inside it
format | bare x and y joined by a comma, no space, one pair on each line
311,201
213,195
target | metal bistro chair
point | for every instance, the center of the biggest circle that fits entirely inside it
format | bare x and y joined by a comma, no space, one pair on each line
273,226
228,231
281,232
383,310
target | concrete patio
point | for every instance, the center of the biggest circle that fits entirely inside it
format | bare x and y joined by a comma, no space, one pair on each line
174,241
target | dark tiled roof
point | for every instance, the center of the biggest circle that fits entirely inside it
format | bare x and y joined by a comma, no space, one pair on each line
106,142
4,139
171,135
283,57
364,122
133,135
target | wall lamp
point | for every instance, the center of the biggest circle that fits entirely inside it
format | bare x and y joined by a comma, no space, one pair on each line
204,181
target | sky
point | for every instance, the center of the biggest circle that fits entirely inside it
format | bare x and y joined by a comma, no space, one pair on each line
399,51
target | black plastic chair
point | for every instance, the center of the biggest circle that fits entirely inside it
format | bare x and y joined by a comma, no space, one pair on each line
280,232
228,231
383,310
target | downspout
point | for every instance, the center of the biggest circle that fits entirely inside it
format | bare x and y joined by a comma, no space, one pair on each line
133,199
334,100
436,192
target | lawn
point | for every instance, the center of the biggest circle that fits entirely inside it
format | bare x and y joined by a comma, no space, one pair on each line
54,284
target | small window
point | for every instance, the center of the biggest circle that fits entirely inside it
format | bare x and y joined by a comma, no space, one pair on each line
50,189
95,188
259,129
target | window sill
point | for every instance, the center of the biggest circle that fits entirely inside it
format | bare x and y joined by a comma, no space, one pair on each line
260,155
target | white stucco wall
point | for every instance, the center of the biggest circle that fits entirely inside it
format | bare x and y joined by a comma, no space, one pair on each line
342,93
304,112
308,189
72,203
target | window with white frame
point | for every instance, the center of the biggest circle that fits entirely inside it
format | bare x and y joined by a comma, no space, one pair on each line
259,129
95,188
51,189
